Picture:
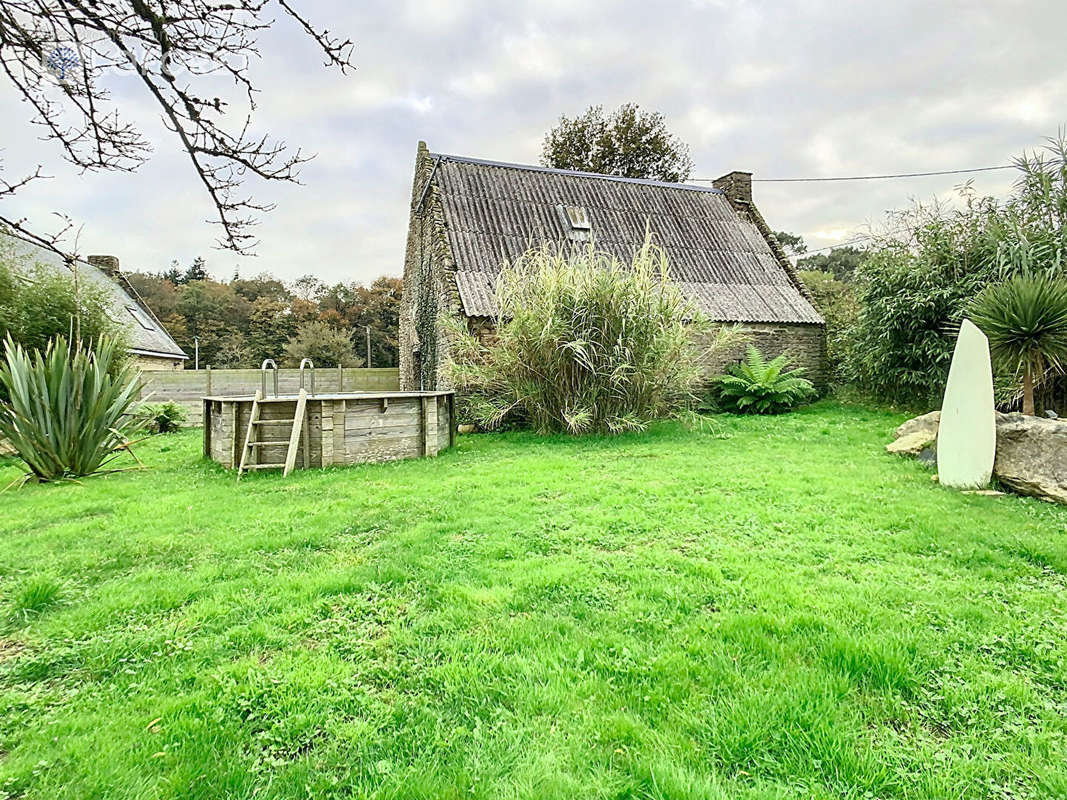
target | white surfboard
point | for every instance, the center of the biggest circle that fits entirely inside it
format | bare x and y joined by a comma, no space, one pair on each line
967,437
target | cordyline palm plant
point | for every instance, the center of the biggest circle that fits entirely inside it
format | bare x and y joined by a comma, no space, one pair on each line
1025,320
585,343
758,386
67,412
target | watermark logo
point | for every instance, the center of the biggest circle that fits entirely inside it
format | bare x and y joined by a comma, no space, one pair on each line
70,62
60,61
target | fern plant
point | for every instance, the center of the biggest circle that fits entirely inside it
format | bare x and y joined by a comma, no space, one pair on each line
758,386
165,417
67,412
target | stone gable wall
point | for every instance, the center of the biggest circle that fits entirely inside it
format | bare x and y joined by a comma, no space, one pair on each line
430,294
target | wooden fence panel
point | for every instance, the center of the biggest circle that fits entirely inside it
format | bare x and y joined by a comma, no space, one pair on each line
187,388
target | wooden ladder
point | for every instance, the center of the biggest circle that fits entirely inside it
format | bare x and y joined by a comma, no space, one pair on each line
298,431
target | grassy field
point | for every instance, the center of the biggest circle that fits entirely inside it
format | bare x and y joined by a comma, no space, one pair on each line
773,608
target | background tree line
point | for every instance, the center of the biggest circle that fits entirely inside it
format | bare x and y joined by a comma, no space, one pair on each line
893,307
240,322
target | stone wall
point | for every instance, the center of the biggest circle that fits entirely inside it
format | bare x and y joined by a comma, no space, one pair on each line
804,344
430,295
158,364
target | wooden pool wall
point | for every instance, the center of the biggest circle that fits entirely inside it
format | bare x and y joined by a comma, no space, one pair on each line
341,428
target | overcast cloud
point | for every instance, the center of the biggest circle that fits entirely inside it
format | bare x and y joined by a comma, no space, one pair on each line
804,88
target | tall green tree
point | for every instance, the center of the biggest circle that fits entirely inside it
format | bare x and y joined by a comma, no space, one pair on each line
375,306
270,326
325,345
792,243
836,301
627,142
212,313
262,285
841,262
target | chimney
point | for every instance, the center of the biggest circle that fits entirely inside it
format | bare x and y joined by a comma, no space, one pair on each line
109,265
736,185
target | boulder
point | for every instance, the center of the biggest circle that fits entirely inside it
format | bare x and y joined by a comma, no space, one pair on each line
1032,456
926,422
916,435
912,444
1031,451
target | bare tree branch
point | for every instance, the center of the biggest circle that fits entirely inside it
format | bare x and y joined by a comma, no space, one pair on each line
57,53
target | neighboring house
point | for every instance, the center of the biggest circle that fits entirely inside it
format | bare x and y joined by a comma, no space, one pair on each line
469,216
151,346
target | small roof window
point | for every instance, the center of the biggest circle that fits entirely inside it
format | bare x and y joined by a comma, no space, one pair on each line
575,222
141,317
574,217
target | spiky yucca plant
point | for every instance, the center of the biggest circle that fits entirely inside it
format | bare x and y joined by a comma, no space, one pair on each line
584,343
67,412
1025,320
758,386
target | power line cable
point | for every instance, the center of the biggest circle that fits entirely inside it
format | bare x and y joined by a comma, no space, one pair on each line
833,246
870,177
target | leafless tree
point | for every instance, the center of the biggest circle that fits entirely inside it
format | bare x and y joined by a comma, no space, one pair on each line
56,54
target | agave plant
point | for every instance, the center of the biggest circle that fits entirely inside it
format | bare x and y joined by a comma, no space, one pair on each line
1025,320
758,386
67,412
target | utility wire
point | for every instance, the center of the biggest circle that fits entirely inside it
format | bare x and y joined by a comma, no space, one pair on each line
848,243
869,177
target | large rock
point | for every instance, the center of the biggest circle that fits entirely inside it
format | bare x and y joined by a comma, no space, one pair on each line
915,435
1031,451
1032,455
912,444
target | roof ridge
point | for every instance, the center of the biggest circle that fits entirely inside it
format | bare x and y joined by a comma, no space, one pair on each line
577,173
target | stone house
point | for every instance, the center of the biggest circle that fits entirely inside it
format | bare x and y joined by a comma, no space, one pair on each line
469,216
151,346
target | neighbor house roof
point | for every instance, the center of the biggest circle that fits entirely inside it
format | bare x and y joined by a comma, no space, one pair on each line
148,337
495,211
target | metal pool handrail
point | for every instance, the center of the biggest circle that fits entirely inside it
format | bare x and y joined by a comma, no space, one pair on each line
311,365
268,363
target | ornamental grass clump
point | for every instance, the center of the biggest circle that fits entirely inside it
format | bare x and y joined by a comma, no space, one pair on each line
584,343
67,411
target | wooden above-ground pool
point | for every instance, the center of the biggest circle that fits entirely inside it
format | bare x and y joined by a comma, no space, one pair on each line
257,432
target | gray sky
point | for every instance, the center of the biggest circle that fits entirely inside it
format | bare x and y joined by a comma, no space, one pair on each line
789,88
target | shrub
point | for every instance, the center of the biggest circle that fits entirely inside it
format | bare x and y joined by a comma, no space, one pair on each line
758,386
930,263
584,343
836,301
165,417
1025,320
325,345
912,291
67,413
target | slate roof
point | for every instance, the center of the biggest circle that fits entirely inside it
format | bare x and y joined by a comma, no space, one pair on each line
495,211
147,335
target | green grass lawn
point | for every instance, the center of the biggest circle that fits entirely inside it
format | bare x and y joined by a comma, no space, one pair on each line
774,608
